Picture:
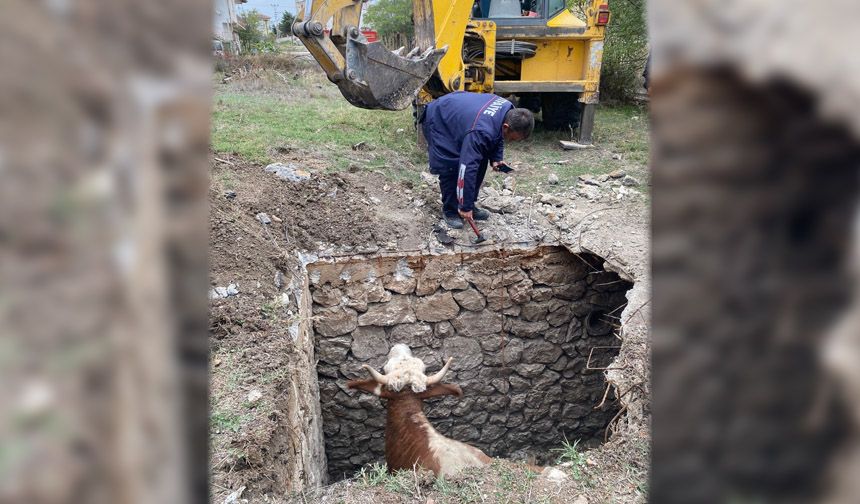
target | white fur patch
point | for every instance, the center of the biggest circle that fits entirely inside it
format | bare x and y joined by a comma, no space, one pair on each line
403,369
453,456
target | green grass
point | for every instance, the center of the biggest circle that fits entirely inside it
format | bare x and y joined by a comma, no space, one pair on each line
376,475
512,483
273,309
311,118
618,130
403,483
570,452
278,375
373,475
467,491
252,124
225,421
625,128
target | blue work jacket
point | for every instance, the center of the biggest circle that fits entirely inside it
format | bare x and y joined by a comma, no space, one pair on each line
464,132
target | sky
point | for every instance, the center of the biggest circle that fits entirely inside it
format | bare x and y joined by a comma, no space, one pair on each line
265,6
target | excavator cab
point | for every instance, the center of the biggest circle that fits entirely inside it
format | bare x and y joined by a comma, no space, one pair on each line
511,9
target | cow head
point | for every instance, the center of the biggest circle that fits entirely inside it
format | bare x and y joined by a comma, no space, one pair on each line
401,370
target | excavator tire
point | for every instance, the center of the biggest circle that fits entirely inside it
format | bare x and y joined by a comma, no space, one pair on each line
530,101
561,111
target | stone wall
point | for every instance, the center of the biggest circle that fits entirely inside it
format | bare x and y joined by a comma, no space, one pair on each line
520,325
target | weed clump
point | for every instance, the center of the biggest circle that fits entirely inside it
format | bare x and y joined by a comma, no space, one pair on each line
571,456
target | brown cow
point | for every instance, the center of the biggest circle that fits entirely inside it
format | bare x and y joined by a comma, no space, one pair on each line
410,440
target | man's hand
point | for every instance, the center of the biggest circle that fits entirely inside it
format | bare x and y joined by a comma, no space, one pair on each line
465,215
501,166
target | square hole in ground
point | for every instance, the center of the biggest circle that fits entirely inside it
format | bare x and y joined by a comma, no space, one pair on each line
531,332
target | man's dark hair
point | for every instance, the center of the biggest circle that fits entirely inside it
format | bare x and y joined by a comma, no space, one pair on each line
520,120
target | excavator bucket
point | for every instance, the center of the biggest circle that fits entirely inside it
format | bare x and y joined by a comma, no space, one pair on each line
376,78
368,75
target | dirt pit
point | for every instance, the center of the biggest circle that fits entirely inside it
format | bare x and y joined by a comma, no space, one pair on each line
531,332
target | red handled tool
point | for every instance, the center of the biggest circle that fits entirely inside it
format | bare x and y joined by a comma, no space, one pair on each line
478,236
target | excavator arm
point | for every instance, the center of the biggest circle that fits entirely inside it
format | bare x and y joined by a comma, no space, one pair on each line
539,56
367,74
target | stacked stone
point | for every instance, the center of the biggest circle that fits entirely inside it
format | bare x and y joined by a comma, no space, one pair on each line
520,327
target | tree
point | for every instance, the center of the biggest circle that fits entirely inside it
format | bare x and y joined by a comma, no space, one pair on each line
249,29
626,48
286,24
389,17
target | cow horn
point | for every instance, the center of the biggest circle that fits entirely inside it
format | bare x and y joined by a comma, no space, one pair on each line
436,378
380,378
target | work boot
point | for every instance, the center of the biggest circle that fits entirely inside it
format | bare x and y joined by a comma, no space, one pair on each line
454,221
480,214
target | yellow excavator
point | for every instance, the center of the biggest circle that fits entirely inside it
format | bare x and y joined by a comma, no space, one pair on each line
536,50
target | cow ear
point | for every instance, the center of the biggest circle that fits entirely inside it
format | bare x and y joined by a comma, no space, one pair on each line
369,386
441,389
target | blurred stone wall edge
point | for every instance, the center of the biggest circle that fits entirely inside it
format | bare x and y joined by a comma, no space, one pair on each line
755,110
104,130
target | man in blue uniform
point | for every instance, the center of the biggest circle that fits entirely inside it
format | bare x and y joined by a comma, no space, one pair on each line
465,132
